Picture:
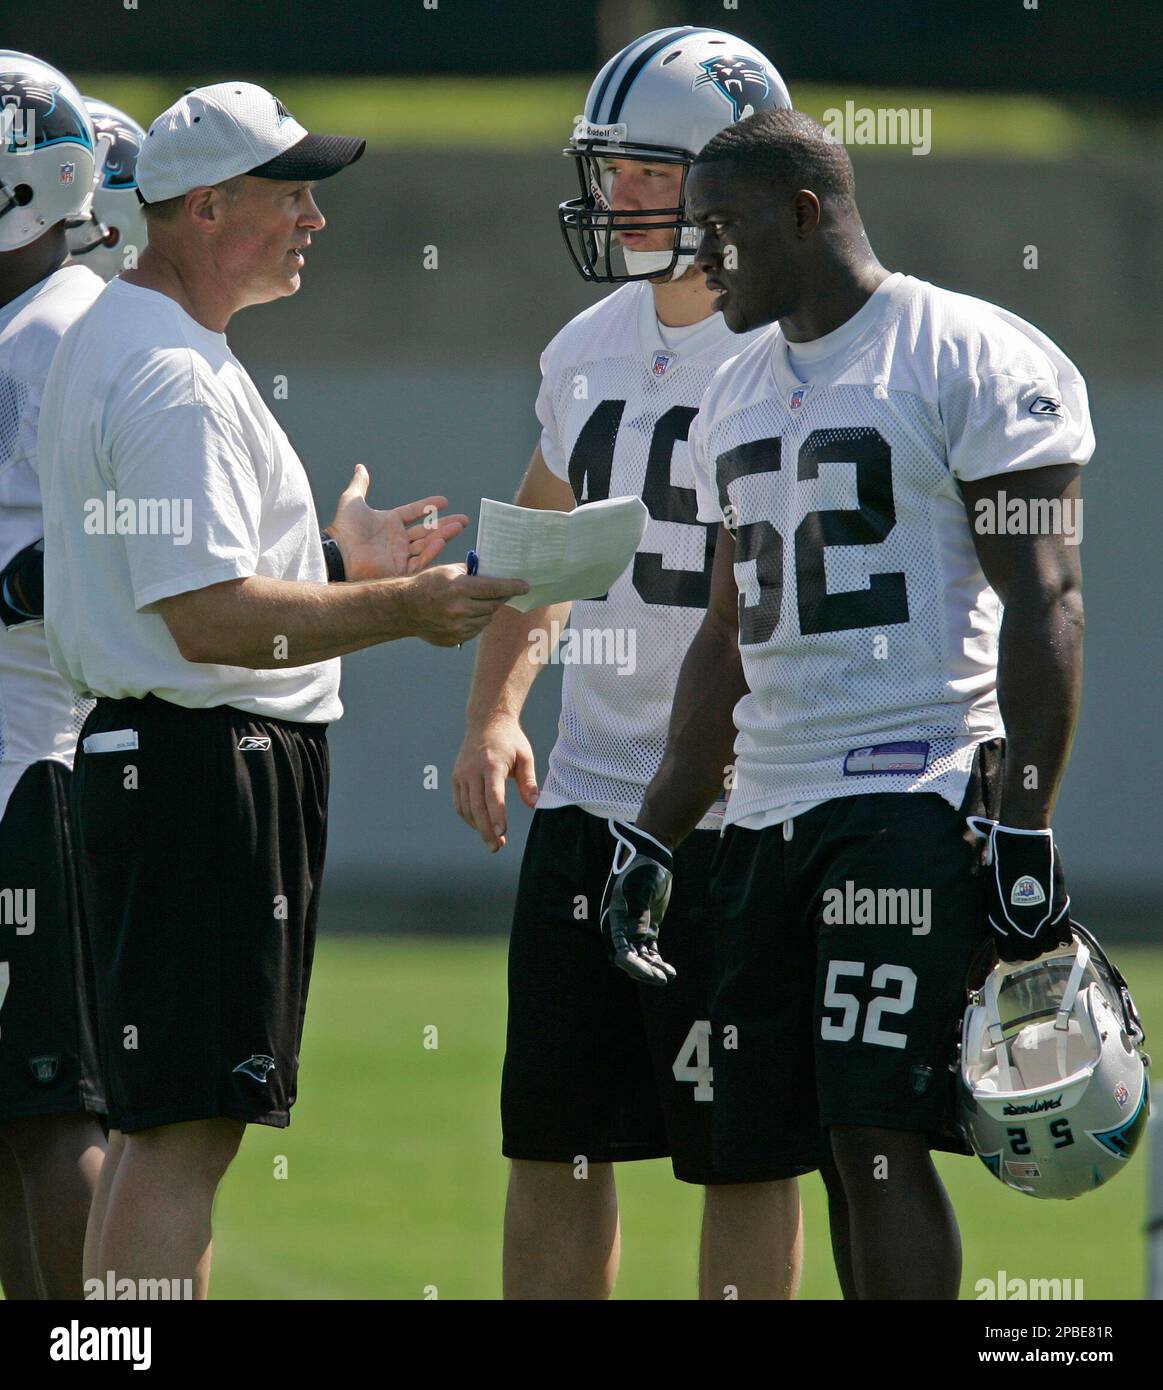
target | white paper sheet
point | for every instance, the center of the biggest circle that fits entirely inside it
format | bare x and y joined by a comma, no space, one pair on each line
562,555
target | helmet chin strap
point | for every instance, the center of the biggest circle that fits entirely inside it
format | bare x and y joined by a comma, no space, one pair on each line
643,262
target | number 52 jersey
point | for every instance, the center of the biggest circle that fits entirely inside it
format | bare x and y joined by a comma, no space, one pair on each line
615,405
867,630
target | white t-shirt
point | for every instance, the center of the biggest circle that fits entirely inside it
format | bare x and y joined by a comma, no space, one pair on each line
867,630
163,471
618,393
40,714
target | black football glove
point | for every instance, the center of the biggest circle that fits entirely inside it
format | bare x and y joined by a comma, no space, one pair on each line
22,586
635,900
1026,897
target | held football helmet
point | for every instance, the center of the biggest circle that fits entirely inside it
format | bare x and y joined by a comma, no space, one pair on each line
1054,1089
116,220
46,150
657,101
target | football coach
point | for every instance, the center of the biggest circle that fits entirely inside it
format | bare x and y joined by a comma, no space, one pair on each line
187,589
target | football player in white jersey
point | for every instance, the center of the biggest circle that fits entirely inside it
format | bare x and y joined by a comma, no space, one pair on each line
50,1143
597,1070
889,462
114,235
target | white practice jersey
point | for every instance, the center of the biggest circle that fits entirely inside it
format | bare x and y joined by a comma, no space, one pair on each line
40,716
615,406
868,632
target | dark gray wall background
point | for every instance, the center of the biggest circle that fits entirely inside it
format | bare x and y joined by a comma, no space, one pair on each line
428,377
1072,46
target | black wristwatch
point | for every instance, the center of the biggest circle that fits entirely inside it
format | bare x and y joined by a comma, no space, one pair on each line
333,556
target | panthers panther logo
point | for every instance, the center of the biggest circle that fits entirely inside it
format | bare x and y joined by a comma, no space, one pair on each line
34,112
741,80
259,1066
120,167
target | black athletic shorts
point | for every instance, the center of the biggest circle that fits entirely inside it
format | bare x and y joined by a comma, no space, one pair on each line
596,1065
843,943
202,858
48,1049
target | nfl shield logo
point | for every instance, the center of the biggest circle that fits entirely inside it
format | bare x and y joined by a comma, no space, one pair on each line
68,172
1122,1095
796,399
660,362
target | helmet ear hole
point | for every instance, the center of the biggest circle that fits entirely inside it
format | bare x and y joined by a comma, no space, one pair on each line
22,195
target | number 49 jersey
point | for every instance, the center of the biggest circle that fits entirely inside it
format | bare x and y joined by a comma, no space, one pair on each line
615,406
867,630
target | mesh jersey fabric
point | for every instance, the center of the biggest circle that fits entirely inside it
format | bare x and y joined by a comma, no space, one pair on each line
40,715
865,619
615,405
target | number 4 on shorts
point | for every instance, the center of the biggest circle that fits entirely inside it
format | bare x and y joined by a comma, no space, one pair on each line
697,1046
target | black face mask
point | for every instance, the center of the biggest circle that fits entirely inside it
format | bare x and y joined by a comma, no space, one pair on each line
588,222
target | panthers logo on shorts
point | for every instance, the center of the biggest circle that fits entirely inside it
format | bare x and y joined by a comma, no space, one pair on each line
259,1066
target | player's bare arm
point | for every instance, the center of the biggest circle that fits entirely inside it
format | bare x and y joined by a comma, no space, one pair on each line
699,748
701,738
1039,580
236,623
495,746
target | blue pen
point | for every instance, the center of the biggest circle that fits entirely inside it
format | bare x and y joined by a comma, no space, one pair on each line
472,562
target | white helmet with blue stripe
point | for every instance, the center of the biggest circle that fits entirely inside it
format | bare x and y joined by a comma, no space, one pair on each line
46,150
1054,1082
659,101
117,222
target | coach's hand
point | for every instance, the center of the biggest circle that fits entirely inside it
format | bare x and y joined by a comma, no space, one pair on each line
390,544
487,758
1026,897
448,606
634,903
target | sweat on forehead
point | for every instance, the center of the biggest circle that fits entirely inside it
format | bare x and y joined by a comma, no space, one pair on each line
783,147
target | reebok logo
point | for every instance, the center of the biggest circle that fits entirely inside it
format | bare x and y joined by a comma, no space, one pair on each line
254,743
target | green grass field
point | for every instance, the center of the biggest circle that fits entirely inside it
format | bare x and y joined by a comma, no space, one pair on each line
516,114
395,1182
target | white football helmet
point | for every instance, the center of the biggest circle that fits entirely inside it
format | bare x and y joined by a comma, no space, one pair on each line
116,220
1054,1093
46,150
659,101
